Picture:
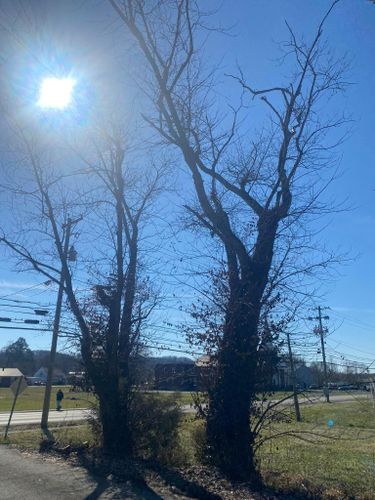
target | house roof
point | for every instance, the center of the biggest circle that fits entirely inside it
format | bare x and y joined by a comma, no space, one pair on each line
204,361
10,372
56,372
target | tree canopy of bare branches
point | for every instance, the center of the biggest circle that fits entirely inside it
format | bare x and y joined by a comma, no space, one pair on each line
107,214
249,189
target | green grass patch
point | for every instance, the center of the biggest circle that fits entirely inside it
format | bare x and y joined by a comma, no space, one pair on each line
338,460
358,414
64,435
181,397
32,399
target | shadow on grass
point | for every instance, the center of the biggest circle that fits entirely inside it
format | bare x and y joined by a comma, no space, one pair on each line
136,479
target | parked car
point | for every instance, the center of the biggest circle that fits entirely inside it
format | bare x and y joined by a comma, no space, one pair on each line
348,387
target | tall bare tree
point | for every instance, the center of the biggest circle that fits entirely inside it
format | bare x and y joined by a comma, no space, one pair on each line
248,189
115,301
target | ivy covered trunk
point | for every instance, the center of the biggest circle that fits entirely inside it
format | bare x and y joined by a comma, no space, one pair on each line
229,437
230,441
114,416
110,379
116,434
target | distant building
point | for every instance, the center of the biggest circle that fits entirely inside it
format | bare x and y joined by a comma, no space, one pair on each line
201,375
175,377
59,377
282,378
8,376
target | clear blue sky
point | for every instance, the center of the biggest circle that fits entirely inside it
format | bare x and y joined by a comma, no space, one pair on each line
257,26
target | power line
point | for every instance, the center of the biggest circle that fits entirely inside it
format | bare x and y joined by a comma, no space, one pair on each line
45,283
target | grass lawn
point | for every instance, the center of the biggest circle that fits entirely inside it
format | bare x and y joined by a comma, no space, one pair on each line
335,449
74,434
183,398
32,398
338,459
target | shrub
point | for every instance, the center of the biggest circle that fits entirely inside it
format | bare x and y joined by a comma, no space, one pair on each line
155,428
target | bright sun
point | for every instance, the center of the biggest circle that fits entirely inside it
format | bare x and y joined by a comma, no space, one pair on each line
56,92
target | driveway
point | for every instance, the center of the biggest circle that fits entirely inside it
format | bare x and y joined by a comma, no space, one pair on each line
29,476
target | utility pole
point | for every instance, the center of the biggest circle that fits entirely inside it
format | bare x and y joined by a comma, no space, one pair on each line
56,326
293,373
320,331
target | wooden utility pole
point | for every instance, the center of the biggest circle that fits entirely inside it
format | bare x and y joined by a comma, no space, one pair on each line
56,326
320,331
293,375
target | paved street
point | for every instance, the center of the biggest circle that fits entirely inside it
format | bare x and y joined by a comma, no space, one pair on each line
318,397
34,417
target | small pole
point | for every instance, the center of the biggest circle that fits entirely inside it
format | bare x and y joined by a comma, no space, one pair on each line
13,406
293,373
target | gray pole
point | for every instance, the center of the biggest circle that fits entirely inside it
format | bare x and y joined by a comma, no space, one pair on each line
326,389
55,333
13,406
293,373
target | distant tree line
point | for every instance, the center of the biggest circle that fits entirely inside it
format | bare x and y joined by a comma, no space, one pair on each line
19,355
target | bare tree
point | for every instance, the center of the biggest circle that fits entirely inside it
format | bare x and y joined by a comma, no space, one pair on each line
249,190
112,306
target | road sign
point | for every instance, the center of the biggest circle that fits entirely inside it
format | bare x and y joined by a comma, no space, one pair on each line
18,386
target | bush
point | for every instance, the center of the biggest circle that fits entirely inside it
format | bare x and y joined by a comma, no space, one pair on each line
155,428
200,442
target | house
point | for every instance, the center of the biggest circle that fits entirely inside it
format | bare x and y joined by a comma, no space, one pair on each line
8,376
59,377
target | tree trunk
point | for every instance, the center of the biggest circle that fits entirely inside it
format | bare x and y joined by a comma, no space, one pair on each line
114,400
229,438
231,402
116,435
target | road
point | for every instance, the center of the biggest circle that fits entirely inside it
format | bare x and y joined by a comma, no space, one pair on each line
318,397
34,417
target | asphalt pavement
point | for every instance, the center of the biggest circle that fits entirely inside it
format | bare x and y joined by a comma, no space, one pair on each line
27,476
34,417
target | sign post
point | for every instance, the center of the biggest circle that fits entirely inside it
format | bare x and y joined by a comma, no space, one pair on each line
17,387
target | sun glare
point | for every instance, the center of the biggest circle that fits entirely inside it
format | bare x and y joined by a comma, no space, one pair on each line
56,93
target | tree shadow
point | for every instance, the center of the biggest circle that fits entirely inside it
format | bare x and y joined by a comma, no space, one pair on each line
120,491
130,478
189,487
129,483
